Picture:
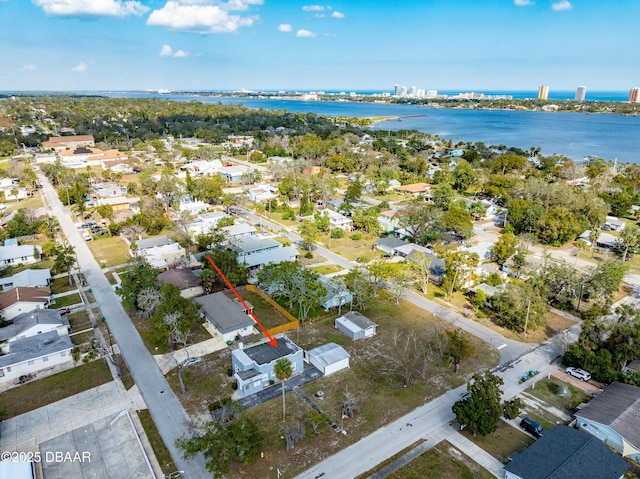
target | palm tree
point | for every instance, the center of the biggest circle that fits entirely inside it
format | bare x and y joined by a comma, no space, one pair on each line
283,370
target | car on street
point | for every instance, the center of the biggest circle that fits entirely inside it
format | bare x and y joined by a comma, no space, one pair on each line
64,311
578,373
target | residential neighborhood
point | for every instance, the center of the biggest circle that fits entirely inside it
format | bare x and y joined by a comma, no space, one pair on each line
320,296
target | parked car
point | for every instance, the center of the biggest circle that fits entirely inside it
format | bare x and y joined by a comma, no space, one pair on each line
191,361
64,311
531,427
86,236
578,373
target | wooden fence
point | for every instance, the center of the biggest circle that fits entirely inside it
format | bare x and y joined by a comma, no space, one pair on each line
292,321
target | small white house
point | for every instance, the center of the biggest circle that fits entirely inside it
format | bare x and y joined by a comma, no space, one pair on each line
338,220
328,358
356,325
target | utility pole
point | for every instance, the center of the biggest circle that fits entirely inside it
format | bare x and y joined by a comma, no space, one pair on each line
526,321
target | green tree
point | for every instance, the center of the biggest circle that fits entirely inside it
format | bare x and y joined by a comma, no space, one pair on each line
354,191
521,307
459,347
139,275
106,211
459,221
504,248
65,259
511,408
481,409
606,279
358,282
223,441
283,370
463,175
629,243
443,196
309,233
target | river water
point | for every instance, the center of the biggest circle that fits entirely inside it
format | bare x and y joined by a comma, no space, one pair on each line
612,137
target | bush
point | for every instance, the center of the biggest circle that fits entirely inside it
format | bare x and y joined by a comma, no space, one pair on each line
308,255
234,386
356,236
337,233
230,372
512,408
494,279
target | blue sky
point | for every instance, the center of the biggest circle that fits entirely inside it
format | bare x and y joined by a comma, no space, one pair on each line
289,44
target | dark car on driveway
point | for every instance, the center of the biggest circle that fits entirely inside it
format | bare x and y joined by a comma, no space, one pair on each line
64,311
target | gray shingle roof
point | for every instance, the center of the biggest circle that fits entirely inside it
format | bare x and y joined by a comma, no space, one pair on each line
24,321
226,315
33,347
618,407
567,453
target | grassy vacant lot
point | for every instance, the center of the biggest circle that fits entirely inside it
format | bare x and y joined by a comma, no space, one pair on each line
148,335
350,249
502,443
41,392
382,397
109,251
157,444
267,315
559,394
442,461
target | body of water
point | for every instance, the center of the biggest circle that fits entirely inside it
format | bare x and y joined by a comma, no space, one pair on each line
612,137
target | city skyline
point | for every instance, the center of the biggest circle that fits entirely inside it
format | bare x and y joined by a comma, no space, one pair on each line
273,44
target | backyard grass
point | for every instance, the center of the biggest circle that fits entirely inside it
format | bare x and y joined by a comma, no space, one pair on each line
157,444
110,251
502,443
149,336
267,315
69,300
442,461
61,285
42,392
559,394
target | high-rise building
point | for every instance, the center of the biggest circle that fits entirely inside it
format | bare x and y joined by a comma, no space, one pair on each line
403,91
396,90
581,93
543,92
634,95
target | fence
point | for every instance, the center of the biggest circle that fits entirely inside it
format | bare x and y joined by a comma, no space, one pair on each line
292,321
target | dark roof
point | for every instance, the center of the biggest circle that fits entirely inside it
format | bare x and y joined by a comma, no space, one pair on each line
567,453
264,353
181,278
226,315
248,374
33,347
617,407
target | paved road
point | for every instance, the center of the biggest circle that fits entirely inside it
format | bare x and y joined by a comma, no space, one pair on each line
430,420
167,412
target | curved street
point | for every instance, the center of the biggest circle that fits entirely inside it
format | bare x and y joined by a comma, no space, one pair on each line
167,412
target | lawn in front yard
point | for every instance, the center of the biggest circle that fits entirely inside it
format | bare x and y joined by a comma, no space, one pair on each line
69,300
109,251
557,393
61,285
41,392
442,461
502,443
327,269
79,320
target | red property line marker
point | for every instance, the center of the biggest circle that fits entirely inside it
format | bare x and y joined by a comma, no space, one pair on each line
272,341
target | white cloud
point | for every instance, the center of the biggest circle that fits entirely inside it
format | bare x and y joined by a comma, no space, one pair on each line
203,16
285,27
337,14
522,3
80,67
28,67
305,34
313,8
167,51
107,8
561,6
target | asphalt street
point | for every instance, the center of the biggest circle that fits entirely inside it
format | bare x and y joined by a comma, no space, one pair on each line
167,412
